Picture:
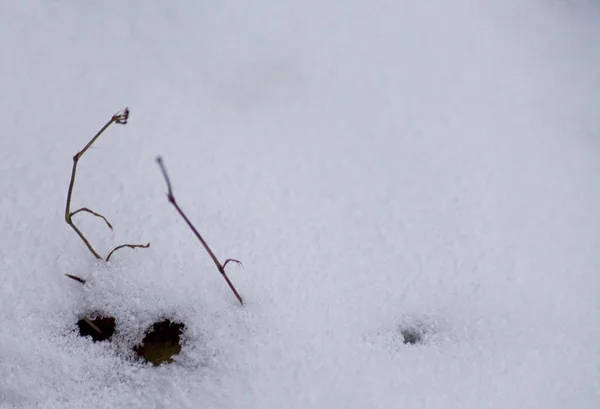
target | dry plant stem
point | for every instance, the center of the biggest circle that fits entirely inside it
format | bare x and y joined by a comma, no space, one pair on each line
78,155
131,246
78,279
220,267
119,118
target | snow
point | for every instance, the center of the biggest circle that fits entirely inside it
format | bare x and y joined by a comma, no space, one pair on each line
374,165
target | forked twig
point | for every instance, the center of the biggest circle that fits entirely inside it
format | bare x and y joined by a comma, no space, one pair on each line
220,267
118,118
131,246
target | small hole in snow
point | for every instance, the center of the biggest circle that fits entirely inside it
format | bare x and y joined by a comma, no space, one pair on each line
410,336
99,328
161,343
416,331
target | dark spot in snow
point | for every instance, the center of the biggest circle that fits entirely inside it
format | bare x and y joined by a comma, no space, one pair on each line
99,328
415,331
161,343
410,336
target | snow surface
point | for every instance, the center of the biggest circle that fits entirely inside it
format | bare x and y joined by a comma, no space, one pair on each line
373,164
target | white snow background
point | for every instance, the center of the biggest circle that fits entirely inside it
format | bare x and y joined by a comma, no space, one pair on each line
373,164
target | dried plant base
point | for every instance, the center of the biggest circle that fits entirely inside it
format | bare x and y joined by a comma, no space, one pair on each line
161,343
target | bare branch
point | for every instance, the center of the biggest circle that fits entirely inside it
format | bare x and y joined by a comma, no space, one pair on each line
220,267
120,118
131,246
85,209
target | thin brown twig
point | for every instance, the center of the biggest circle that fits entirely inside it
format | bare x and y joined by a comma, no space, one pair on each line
232,260
131,246
119,118
78,279
220,267
85,209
